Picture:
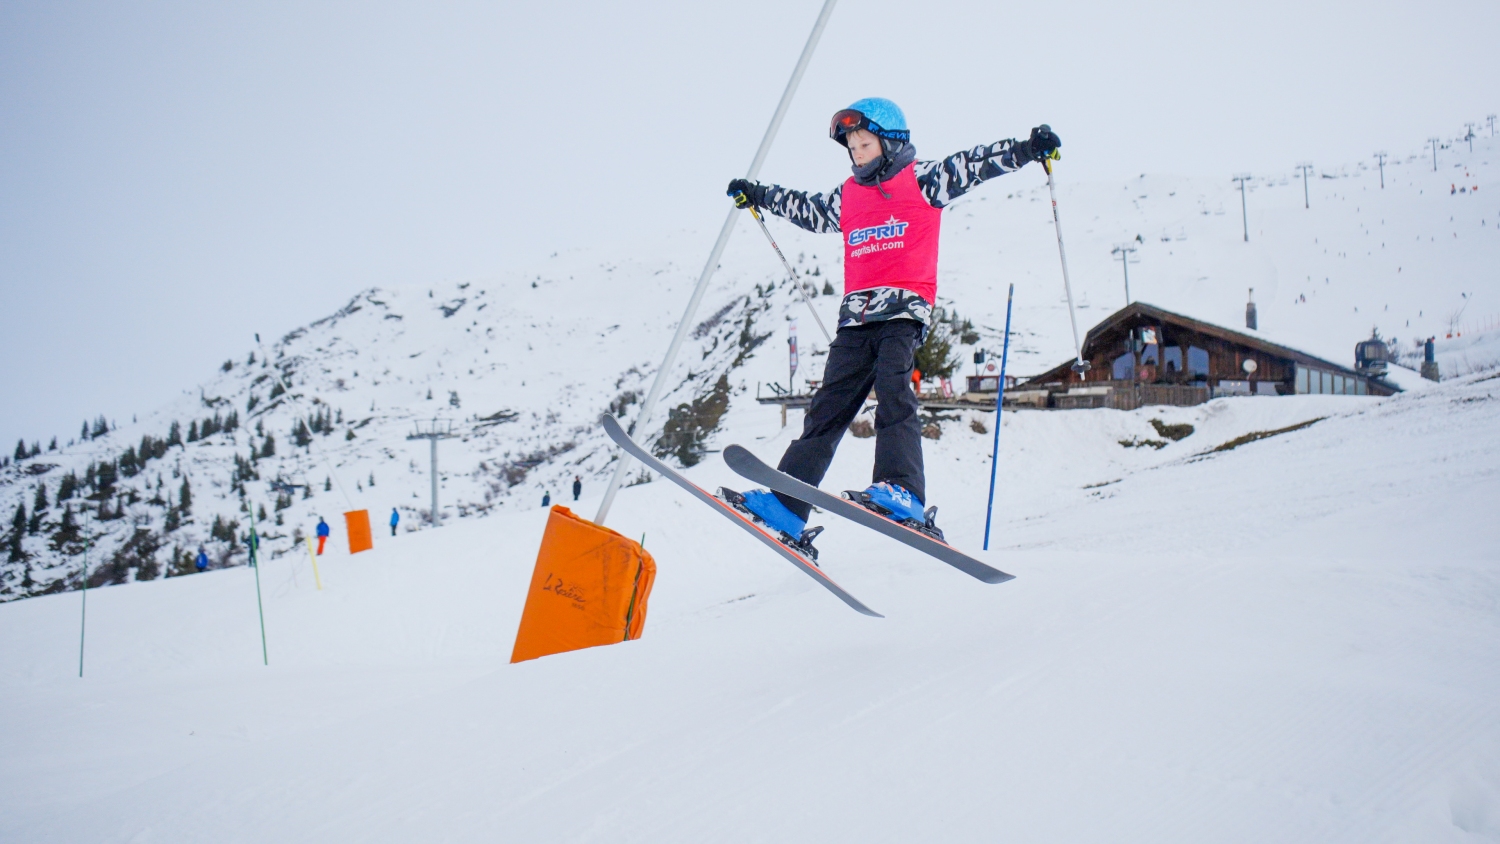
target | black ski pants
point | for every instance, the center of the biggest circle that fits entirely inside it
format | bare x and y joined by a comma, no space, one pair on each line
879,355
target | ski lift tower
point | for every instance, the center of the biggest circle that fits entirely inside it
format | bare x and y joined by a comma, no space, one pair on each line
1242,178
1126,253
435,431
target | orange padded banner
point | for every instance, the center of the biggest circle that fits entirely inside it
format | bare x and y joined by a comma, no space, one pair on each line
589,588
358,523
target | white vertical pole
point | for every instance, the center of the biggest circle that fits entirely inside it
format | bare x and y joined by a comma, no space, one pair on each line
434,519
713,259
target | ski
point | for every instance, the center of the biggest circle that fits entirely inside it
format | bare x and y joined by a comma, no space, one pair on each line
623,440
749,466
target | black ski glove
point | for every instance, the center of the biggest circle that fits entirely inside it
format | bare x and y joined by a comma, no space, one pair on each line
1041,144
746,192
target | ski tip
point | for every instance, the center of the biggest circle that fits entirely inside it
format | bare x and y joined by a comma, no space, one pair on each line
997,576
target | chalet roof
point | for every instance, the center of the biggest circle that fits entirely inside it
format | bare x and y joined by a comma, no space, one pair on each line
1141,309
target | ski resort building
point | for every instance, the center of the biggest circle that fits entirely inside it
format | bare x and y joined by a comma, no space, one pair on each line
1144,355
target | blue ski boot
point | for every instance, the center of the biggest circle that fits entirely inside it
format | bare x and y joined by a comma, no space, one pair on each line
767,509
897,504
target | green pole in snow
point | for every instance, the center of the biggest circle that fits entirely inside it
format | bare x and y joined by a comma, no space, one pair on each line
83,616
259,608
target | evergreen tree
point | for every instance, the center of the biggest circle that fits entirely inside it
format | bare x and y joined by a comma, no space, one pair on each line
193,431
36,448
128,466
67,530
173,521
34,526
67,486
277,389
107,476
17,530
101,427
84,434
306,491
268,448
262,514
372,479
53,445
174,435
41,498
185,498
232,421
20,450
300,435
328,484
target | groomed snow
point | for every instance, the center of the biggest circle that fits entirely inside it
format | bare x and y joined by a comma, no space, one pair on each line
1293,640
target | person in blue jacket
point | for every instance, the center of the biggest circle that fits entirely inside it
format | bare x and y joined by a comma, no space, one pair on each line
322,535
202,562
395,520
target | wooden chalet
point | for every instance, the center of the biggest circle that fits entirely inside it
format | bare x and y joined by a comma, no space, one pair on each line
1143,355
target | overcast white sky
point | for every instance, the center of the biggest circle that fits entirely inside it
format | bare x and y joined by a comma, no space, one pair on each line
177,176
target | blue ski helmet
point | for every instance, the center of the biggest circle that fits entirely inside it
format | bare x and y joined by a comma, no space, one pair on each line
877,115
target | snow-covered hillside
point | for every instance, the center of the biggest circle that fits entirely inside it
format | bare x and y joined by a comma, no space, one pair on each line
521,364
1293,639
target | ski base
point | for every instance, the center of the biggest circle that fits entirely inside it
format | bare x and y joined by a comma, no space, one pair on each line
634,449
749,466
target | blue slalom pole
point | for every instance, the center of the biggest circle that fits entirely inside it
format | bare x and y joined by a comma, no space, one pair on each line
999,405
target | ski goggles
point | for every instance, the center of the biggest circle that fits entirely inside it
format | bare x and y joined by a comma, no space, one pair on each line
846,121
849,120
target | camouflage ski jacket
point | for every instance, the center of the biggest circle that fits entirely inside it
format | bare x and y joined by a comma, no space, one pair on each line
941,182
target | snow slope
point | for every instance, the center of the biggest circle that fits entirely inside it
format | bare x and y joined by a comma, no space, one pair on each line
1292,640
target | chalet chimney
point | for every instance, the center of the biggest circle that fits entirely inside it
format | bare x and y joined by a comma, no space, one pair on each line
1429,361
1250,311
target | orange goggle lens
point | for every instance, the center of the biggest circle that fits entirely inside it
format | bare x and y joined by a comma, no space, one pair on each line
846,121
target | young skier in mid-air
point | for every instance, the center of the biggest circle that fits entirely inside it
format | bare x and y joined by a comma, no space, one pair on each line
889,213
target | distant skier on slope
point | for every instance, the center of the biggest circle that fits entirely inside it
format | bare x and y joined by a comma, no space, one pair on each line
322,535
577,486
889,213
395,520
202,562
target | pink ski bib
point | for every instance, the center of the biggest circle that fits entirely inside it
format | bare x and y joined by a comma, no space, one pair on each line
890,242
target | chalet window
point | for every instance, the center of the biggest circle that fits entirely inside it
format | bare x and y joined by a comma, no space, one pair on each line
1338,385
1197,361
1172,355
1361,388
1302,380
1124,365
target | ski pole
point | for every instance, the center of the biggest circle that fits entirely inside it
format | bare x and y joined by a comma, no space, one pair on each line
1080,365
755,212
999,405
